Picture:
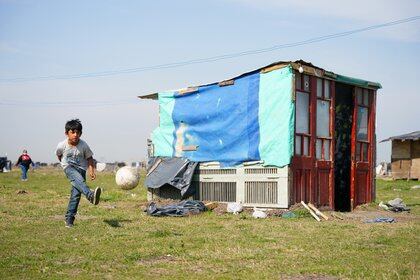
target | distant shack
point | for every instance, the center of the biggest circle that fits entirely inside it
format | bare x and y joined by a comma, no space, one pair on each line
405,156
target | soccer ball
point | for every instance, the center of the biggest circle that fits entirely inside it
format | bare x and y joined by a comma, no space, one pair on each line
127,178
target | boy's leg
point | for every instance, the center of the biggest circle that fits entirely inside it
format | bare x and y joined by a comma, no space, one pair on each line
73,204
77,180
23,168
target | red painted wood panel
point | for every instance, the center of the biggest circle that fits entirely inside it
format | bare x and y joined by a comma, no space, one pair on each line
361,192
323,181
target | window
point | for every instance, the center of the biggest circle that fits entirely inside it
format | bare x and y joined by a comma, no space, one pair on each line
362,136
298,146
302,112
362,123
323,120
302,137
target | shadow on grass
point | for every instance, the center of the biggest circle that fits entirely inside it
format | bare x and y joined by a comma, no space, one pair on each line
412,204
116,223
163,233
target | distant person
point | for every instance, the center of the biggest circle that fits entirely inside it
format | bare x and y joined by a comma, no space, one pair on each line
24,162
75,157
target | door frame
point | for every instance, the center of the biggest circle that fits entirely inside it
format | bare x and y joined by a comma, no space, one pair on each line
307,169
362,162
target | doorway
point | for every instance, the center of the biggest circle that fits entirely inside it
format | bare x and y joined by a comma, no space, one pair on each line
342,154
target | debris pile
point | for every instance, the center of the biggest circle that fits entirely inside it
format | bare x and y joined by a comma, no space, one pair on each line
234,207
259,214
395,205
181,209
381,220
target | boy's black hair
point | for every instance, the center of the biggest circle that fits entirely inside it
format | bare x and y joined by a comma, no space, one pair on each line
73,125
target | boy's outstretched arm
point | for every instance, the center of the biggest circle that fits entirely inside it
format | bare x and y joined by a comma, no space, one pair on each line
91,166
18,161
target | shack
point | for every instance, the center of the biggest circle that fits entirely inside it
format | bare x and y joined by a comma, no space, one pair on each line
405,156
272,137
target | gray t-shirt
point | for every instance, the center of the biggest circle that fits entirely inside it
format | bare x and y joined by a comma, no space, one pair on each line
74,155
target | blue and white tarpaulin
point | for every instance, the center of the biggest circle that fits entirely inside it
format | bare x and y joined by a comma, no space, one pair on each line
250,120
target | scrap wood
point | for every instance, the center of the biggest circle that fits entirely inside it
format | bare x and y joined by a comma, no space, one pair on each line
211,205
335,215
310,211
319,213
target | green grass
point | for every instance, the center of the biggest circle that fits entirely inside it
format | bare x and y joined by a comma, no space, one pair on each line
116,240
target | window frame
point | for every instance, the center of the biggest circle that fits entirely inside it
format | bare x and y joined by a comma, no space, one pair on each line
324,139
362,146
300,87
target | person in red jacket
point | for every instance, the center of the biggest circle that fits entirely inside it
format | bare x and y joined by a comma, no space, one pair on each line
24,162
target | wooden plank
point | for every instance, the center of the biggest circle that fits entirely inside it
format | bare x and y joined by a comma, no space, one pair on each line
400,169
319,213
415,152
400,150
310,211
226,83
187,90
211,205
272,68
335,215
190,148
415,168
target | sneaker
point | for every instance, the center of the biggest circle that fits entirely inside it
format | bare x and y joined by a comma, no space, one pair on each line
96,196
69,224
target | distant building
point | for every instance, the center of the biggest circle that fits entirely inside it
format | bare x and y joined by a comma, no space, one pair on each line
405,156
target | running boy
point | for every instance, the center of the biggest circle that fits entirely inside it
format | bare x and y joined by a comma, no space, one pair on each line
24,161
75,157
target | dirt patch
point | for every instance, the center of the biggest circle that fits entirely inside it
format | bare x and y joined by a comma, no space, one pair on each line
221,209
22,192
367,214
276,212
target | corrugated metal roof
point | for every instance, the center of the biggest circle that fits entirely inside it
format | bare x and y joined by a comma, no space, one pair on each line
307,67
409,136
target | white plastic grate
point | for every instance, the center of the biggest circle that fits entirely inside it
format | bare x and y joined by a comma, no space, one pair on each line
261,192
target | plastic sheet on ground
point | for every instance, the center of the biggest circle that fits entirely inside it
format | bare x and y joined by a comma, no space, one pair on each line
397,205
381,220
184,208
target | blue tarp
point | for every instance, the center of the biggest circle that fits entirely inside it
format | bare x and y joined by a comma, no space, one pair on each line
253,119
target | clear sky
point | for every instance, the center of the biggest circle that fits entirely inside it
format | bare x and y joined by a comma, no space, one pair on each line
50,38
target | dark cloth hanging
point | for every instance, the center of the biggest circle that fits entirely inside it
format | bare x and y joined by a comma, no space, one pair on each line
177,172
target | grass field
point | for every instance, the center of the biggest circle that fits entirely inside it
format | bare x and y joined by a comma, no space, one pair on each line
116,240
